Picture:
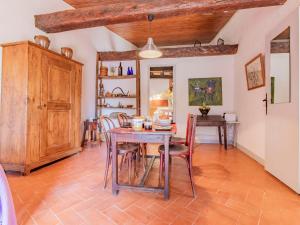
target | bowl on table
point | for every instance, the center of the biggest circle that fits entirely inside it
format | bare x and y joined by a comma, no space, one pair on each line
164,122
204,111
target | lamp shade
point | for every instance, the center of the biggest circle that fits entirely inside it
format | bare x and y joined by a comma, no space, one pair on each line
150,51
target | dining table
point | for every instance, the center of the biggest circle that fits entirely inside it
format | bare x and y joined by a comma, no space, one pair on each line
129,135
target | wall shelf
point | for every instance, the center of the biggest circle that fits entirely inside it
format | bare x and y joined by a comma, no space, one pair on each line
115,97
114,57
117,77
113,107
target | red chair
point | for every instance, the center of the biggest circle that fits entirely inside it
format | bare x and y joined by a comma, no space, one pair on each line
182,150
179,140
126,150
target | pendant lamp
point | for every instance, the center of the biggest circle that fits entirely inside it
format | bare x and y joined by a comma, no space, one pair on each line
150,50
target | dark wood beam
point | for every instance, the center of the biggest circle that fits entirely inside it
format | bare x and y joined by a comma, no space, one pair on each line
280,47
117,56
137,10
211,50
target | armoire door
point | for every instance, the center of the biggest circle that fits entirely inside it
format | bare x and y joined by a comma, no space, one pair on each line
57,127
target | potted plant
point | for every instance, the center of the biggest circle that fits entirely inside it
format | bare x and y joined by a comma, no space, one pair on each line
204,109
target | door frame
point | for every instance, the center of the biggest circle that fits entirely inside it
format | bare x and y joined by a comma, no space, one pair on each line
174,85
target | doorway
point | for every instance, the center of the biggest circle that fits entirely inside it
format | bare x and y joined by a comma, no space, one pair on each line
161,89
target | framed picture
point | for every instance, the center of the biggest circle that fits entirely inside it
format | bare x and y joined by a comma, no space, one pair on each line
205,90
255,72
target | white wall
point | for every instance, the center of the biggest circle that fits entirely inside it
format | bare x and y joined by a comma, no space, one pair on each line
17,24
158,86
185,68
249,28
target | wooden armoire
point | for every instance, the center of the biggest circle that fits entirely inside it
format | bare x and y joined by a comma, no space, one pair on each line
40,107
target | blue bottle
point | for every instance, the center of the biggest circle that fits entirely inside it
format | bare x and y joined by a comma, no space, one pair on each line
128,71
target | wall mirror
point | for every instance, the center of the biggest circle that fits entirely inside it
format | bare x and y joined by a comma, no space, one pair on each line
280,68
161,99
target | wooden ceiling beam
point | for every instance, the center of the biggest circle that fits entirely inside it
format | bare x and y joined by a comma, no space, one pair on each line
137,10
210,50
281,47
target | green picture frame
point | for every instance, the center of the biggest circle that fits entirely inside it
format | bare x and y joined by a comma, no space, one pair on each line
205,91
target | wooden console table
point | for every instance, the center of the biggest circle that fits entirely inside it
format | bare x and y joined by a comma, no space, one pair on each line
214,121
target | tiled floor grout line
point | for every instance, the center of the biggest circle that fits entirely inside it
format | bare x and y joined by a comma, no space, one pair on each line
82,218
107,217
55,216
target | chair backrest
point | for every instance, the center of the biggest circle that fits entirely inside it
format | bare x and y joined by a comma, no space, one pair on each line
107,124
192,133
123,118
187,131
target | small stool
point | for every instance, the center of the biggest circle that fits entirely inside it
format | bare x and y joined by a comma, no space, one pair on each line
92,128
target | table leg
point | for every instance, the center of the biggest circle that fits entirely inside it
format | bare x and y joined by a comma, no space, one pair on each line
225,136
114,165
166,191
220,135
234,134
85,128
95,135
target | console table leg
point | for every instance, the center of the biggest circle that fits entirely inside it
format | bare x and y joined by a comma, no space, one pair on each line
220,135
225,136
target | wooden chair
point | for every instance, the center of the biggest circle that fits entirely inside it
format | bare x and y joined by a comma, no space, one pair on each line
182,151
123,119
92,129
179,140
126,150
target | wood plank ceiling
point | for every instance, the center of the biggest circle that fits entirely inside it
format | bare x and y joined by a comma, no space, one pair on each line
179,30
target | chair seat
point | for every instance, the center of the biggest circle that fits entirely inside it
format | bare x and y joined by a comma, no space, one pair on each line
127,147
175,149
177,140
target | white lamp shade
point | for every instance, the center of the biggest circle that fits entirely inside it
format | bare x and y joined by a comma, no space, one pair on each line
150,51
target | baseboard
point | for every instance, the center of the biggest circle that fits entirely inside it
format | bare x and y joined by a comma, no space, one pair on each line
211,140
251,154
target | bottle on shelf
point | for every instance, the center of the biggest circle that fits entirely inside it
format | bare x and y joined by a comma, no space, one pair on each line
101,89
128,71
131,71
120,70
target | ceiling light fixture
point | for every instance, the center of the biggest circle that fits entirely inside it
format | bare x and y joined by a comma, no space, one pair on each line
150,50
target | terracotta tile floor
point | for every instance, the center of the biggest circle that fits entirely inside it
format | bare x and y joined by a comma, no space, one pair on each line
232,189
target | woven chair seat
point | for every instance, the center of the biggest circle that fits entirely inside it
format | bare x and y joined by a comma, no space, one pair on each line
175,149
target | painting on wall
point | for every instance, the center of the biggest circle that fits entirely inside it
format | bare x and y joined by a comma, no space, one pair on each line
205,91
255,72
